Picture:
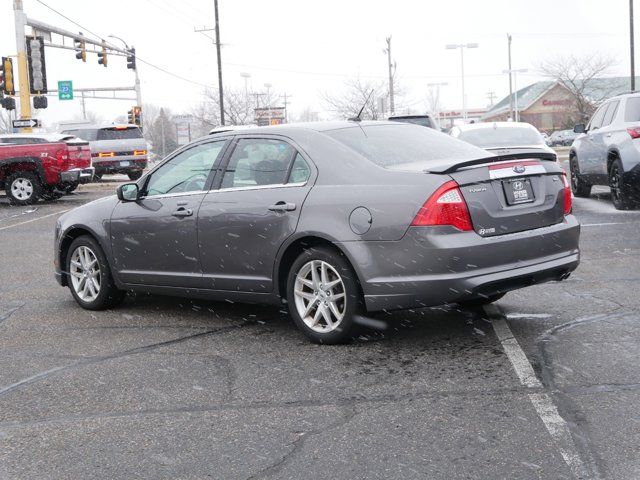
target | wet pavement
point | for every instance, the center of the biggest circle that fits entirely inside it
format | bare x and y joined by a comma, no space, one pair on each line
173,388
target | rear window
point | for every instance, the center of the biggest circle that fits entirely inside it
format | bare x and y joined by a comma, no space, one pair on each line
501,137
423,121
118,133
632,110
392,145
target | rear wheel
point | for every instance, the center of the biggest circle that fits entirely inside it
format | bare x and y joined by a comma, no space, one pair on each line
579,186
71,187
480,302
620,192
51,193
323,295
23,188
97,177
135,175
89,275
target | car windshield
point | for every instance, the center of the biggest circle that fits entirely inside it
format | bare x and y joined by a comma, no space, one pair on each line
119,133
393,145
501,136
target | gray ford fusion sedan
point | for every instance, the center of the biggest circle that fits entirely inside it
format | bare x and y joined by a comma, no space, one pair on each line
333,219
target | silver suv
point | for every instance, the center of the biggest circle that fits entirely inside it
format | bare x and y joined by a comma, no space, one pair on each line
114,148
607,152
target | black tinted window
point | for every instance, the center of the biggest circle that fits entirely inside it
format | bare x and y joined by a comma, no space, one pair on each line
632,110
389,145
611,111
596,120
423,121
118,133
501,137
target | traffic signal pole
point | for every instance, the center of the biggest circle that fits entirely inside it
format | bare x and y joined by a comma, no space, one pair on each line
23,75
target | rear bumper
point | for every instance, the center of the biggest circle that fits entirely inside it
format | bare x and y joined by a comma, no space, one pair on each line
85,175
122,164
70,176
436,265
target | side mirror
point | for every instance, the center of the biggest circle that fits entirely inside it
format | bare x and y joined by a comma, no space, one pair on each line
128,192
579,128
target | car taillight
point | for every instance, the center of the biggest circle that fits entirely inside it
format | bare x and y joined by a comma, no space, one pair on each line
634,132
60,158
567,194
445,207
106,154
139,152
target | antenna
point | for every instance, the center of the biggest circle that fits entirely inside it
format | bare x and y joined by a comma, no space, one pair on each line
357,117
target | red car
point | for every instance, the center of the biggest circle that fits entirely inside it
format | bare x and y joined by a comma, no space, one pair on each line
46,166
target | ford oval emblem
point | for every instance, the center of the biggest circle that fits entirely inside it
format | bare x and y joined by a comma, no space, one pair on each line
519,169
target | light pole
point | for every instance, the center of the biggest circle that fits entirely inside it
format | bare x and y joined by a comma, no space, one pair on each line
437,102
515,72
137,84
268,86
246,77
462,46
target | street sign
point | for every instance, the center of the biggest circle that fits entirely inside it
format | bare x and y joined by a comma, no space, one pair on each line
65,90
26,123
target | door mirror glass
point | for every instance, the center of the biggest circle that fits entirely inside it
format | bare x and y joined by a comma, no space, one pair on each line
579,128
128,192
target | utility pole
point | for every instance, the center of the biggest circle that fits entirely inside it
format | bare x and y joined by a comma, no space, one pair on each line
510,83
217,27
632,47
268,86
23,70
246,77
286,103
491,96
391,72
84,106
462,46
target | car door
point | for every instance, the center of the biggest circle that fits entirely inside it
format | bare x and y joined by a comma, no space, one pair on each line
591,150
242,224
154,239
602,139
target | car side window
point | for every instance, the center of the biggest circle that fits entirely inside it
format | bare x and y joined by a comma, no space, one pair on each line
258,162
186,172
611,112
300,171
596,120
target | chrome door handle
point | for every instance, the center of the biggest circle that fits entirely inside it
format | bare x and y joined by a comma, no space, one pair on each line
283,207
183,212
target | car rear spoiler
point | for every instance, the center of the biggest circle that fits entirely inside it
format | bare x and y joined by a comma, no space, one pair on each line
445,168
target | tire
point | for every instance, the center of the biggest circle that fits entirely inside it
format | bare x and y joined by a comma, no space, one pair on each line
322,324
71,187
97,177
481,302
579,186
82,250
134,175
23,188
620,193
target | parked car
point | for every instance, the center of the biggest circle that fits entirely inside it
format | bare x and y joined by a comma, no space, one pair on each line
546,138
31,171
78,154
607,152
422,120
333,218
513,139
115,148
563,138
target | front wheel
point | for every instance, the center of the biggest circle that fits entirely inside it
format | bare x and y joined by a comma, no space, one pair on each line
323,295
620,194
23,188
89,275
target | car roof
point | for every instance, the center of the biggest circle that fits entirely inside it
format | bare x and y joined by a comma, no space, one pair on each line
480,125
98,127
326,126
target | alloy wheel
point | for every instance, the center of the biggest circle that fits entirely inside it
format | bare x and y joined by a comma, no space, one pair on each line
614,182
320,296
22,188
84,270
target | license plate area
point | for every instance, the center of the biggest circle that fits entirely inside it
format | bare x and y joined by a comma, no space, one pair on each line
518,190
125,163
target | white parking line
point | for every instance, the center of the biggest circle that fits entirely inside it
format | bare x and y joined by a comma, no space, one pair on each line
34,219
541,401
601,224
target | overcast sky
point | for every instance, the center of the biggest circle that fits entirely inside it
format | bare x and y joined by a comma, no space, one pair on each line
308,47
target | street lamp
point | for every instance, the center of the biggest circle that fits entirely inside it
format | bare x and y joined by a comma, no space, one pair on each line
268,86
437,102
246,77
515,88
462,46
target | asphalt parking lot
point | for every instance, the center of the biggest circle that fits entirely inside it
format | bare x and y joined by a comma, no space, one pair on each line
546,385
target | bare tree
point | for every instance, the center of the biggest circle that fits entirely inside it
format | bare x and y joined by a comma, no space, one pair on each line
238,108
306,115
580,75
357,93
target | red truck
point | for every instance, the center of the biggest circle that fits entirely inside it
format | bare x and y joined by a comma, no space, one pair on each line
45,166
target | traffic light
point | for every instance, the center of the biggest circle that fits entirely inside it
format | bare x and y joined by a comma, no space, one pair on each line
8,103
134,116
81,48
40,102
131,58
102,56
37,69
6,77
